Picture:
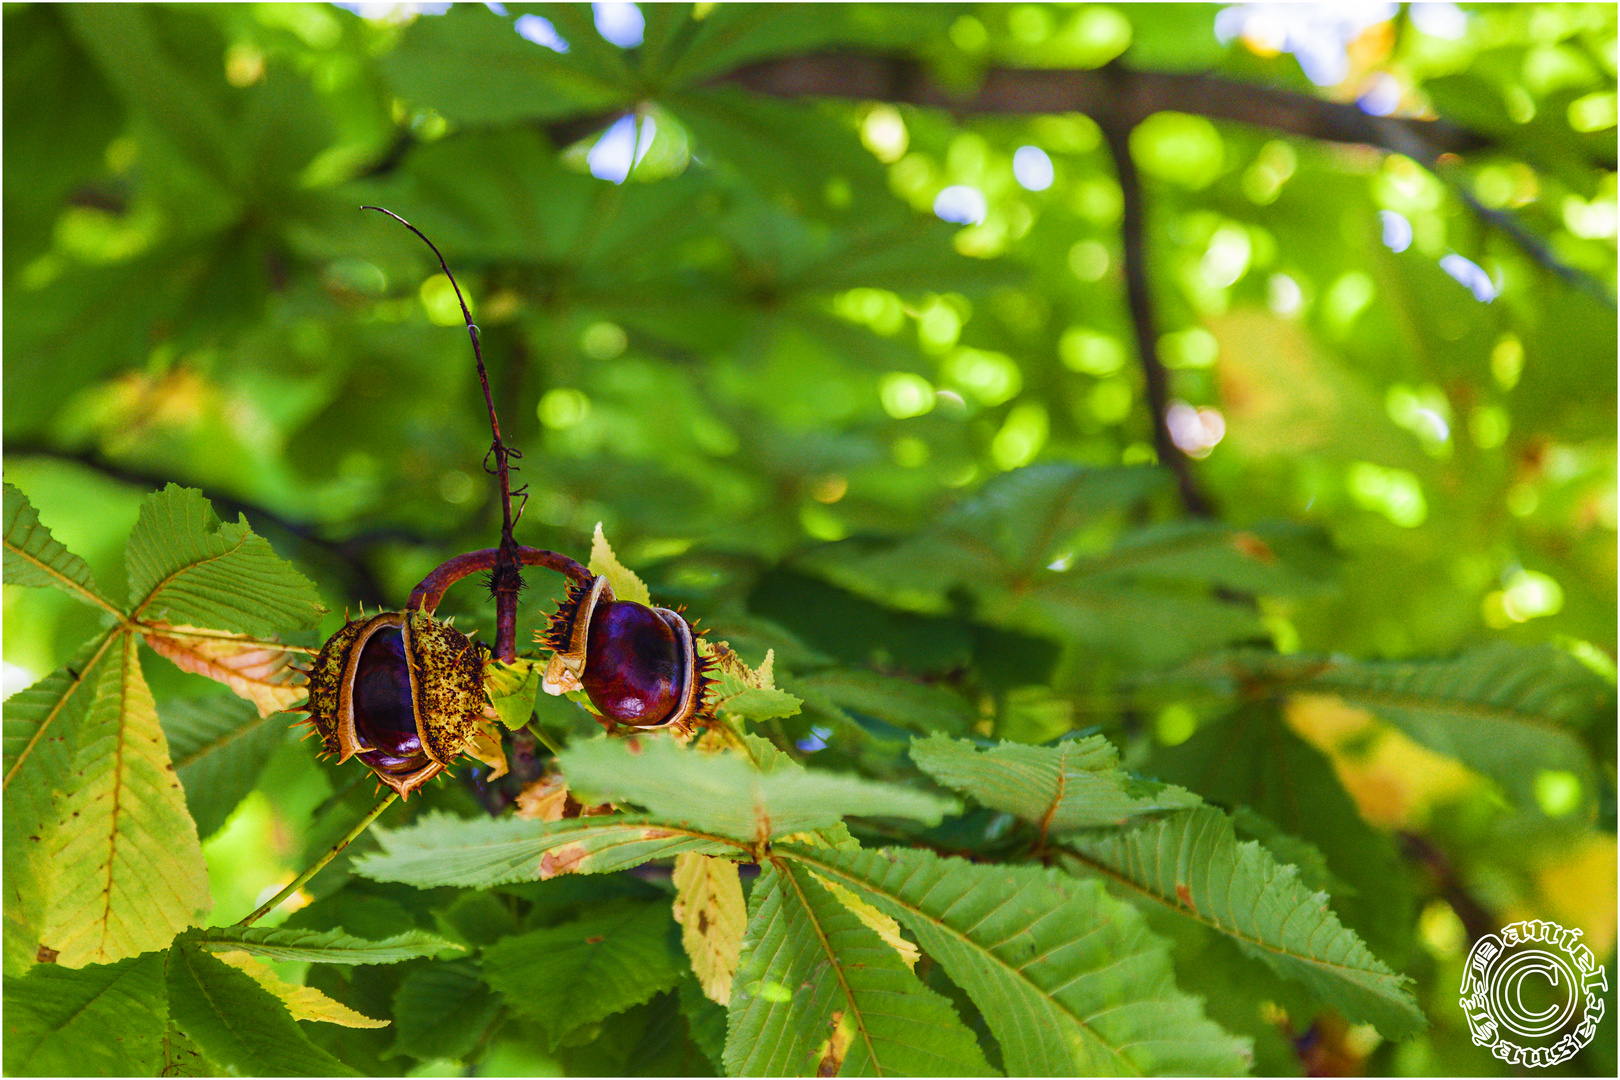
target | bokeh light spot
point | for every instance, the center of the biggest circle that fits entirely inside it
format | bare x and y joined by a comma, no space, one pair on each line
619,23
1471,275
1557,792
1397,230
563,407
905,395
1395,493
1090,352
1032,168
538,29
1183,149
884,133
961,204
991,377
1021,436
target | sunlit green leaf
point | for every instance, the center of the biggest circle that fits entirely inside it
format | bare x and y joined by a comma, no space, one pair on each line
57,1019
321,947
1069,979
1075,785
239,1024
726,795
820,992
41,733
1193,863
33,557
128,870
440,849
185,566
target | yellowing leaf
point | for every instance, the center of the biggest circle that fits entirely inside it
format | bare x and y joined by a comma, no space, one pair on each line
485,745
880,924
624,583
830,1055
303,1002
735,675
709,906
544,799
128,870
261,672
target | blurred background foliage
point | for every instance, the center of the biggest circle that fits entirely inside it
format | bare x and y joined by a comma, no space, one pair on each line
762,337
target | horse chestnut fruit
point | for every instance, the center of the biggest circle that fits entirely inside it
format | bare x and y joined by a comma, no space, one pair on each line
401,691
638,665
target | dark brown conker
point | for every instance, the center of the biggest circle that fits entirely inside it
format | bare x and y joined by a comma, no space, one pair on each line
401,691
638,665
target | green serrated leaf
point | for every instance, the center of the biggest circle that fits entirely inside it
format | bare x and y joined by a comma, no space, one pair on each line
1289,849
1058,497
1075,785
319,946
1193,551
1253,758
752,703
1192,862
1069,979
185,567
744,692
512,689
1502,710
33,557
705,1021
238,1023
623,581
129,872
439,849
41,732
911,705
811,966
100,1020
432,59
220,746
443,1010
727,795
582,971
1142,626
181,1056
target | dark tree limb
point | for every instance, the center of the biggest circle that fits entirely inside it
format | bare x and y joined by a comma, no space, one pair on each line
1114,91
1116,95
1139,297
366,589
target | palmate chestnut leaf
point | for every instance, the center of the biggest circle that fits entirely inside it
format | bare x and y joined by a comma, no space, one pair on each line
401,691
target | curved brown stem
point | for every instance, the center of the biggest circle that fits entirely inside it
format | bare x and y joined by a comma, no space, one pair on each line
427,595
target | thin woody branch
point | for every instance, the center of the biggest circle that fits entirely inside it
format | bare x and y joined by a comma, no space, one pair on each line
505,579
426,596
1113,92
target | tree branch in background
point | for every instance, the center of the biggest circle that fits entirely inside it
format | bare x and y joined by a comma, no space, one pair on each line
1112,91
1119,95
1139,297
344,554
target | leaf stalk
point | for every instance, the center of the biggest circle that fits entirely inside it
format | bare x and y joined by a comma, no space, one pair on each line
320,864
